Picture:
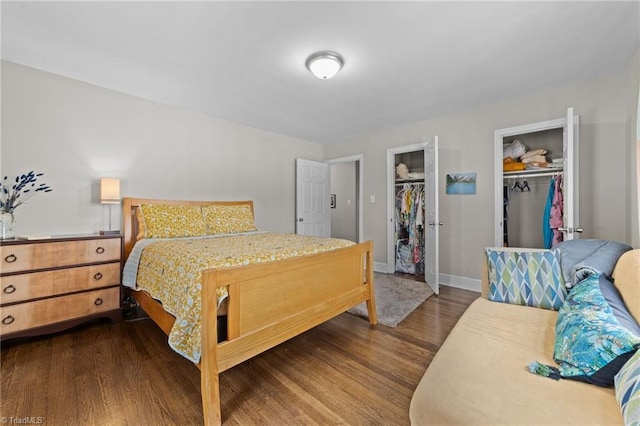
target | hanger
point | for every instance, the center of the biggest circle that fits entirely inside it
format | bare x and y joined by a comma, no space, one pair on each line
521,187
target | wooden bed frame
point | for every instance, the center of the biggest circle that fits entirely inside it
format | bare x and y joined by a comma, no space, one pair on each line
316,288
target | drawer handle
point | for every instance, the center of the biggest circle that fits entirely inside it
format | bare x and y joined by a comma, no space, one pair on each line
11,258
9,289
97,276
98,302
100,250
8,320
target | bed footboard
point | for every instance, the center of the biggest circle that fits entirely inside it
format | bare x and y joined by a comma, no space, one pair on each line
273,302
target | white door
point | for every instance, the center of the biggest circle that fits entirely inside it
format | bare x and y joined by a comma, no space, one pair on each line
432,216
570,188
313,216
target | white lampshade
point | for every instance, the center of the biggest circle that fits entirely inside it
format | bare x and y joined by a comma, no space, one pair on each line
325,65
110,191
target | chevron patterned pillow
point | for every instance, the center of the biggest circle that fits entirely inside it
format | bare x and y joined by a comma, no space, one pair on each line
627,383
530,277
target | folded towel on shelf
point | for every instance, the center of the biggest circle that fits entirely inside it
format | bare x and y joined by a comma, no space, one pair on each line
536,165
512,166
534,159
533,152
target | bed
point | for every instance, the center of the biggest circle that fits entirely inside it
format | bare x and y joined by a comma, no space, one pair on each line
317,286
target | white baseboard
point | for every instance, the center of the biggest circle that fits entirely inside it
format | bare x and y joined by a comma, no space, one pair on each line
382,267
464,283
461,282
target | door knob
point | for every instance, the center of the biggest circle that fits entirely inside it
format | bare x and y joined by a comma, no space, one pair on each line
571,230
300,219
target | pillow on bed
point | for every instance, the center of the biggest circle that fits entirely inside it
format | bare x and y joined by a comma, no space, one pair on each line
530,277
172,220
228,219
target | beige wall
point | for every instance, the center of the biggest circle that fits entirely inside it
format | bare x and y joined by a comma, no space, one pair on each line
466,144
76,133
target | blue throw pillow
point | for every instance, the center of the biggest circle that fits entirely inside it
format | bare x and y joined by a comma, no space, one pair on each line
595,334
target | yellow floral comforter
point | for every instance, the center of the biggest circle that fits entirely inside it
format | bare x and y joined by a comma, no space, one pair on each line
170,271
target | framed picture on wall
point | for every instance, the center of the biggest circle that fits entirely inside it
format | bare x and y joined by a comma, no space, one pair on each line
461,183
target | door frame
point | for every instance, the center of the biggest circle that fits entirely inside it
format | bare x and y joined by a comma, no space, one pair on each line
391,196
359,160
498,179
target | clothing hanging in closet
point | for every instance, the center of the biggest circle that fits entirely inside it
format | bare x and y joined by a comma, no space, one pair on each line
557,211
410,229
547,231
552,209
505,212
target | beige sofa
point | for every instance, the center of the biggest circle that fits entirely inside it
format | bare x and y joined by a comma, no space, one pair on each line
479,375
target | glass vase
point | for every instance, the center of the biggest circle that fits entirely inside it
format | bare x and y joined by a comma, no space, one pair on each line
7,221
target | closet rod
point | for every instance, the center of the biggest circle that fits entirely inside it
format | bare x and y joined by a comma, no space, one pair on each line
530,175
409,183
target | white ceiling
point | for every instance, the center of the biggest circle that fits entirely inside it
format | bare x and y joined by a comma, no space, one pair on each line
245,61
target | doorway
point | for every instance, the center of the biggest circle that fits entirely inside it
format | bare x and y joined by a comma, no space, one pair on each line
346,199
413,232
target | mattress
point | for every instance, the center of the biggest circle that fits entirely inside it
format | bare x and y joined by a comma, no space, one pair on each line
170,271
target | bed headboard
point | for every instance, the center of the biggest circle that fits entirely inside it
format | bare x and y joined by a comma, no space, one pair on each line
131,227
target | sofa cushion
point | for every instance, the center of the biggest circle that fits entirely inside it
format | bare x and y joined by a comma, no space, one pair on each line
595,334
530,277
625,277
477,376
627,383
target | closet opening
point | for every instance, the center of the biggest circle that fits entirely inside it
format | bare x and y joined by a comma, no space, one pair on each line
530,194
412,209
409,214
536,179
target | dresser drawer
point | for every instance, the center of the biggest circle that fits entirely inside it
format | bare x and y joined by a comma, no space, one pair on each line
38,313
24,257
21,287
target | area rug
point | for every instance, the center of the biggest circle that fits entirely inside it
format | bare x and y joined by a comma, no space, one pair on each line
396,298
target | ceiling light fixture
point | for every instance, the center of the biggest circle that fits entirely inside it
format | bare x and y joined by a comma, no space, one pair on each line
325,64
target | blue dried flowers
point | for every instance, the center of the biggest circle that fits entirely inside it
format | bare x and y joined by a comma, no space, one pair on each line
23,188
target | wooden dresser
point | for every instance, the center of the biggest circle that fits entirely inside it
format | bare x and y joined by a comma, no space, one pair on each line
54,284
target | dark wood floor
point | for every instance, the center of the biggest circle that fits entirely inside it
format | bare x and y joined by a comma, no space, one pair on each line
341,372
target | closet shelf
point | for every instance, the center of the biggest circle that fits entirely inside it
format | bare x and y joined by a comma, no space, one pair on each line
532,173
419,180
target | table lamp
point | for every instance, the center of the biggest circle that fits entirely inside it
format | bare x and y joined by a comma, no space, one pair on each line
110,194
